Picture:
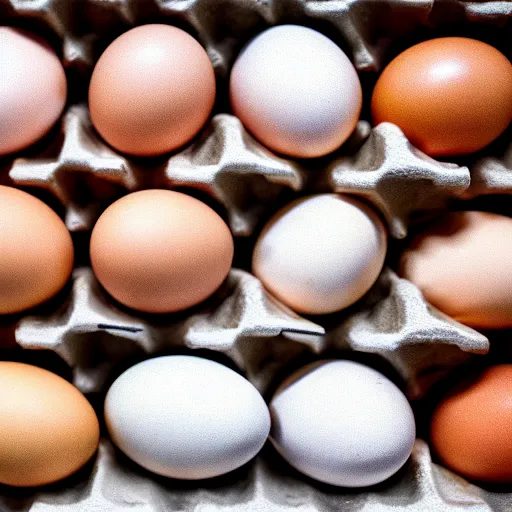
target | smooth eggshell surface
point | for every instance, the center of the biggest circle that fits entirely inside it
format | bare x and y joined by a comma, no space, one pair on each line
321,253
462,266
471,429
160,251
48,428
450,96
342,423
36,251
152,90
186,417
33,89
296,91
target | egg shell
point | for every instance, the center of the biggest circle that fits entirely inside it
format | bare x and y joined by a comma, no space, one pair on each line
36,251
186,417
160,251
471,429
48,428
450,95
33,89
462,266
296,91
321,253
152,90
342,423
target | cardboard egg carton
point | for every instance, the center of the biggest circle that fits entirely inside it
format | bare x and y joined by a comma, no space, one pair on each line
95,335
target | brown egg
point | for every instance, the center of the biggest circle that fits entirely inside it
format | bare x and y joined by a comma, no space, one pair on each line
160,251
36,251
462,266
48,428
449,96
33,89
152,90
471,429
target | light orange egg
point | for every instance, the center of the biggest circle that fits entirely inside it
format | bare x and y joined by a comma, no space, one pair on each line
450,96
471,429
48,429
36,251
152,90
160,251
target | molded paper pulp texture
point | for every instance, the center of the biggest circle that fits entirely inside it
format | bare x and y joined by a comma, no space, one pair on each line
79,175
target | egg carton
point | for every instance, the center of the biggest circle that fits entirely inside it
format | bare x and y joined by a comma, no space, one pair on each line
96,336
243,321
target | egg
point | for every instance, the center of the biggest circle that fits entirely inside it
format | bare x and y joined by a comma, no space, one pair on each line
160,251
471,428
450,96
36,251
296,91
461,263
48,428
186,417
33,89
342,423
321,253
152,90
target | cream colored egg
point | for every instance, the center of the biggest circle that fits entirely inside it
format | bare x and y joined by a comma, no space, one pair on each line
321,254
296,91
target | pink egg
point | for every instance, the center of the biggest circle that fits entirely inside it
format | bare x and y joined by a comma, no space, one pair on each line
32,89
152,90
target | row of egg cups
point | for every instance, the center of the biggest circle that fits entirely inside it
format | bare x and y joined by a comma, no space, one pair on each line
191,418
338,421
153,89
161,251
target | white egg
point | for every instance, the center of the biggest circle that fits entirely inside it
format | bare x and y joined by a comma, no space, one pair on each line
186,417
321,254
296,91
342,423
